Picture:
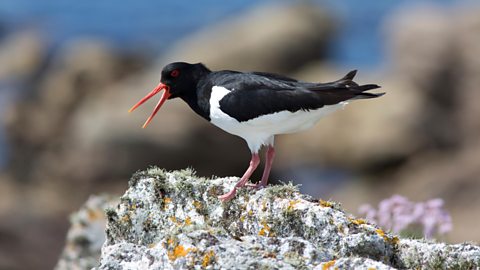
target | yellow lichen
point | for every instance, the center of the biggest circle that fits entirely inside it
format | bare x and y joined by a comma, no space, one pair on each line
152,245
178,251
170,241
358,221
270,255
250,212
265,230
264,205
382,234
166,201
372,268
394,240
207,259
126,219
198,205
188,221
292,204
325,203
327,265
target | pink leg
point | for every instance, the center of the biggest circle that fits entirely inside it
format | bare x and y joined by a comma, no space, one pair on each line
268,165
253,165
270,154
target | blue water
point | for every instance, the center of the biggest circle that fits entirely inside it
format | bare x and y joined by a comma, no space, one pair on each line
156,25
126,23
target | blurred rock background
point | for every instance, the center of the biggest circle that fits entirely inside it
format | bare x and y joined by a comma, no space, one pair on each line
64,94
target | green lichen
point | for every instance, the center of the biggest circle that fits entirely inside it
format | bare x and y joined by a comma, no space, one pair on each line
152,171
111,214
281,191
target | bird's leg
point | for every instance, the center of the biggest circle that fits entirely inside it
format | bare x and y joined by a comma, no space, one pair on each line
268,165
253,165
270,154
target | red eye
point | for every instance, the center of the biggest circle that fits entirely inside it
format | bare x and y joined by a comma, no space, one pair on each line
175,73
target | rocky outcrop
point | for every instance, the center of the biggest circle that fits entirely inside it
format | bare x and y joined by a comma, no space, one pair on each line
21,55
174,220
86,235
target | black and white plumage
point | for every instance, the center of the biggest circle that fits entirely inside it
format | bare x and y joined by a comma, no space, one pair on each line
255,105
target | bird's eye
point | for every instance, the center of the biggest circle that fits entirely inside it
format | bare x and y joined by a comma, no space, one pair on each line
175,73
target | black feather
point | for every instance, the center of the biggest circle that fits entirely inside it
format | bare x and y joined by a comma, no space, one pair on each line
256,94
350,75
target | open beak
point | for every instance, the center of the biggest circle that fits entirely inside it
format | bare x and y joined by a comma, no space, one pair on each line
164,97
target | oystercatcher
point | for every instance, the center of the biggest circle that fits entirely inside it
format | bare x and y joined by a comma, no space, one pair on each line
255,106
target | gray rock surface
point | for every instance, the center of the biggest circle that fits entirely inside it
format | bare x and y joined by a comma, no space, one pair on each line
86,235
173,220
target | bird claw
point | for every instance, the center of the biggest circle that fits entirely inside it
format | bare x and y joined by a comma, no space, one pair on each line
255,186
231,194
228,196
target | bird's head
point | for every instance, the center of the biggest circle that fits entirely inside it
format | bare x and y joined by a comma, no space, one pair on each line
178,79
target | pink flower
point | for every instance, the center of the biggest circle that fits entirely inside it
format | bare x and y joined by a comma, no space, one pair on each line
397,213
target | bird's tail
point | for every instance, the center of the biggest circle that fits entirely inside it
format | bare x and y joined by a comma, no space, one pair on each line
359,90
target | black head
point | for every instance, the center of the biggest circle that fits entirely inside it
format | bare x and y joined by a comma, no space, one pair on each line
182,78
179,79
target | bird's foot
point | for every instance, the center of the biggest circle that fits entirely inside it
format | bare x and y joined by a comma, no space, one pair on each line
258,185
228,196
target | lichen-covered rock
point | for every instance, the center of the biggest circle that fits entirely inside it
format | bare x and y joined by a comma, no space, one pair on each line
173,220
414,254
86,235
353,263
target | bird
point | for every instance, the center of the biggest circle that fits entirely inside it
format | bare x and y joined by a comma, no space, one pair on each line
255,106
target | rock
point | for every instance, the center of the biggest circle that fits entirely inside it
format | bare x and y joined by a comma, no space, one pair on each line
353,263
427,33
39,128
467,36
274,38
174,220
417,254
73,77
21,55
446,79
86,235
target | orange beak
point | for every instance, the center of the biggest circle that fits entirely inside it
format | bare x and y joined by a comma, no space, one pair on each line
155,91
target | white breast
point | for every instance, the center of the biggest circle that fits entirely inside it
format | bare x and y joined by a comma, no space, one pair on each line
260,131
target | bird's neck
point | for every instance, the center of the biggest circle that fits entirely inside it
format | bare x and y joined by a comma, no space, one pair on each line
199,100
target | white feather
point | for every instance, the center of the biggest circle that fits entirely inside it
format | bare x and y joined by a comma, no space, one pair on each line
261,130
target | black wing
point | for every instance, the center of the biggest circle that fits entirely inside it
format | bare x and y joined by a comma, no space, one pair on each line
253,96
